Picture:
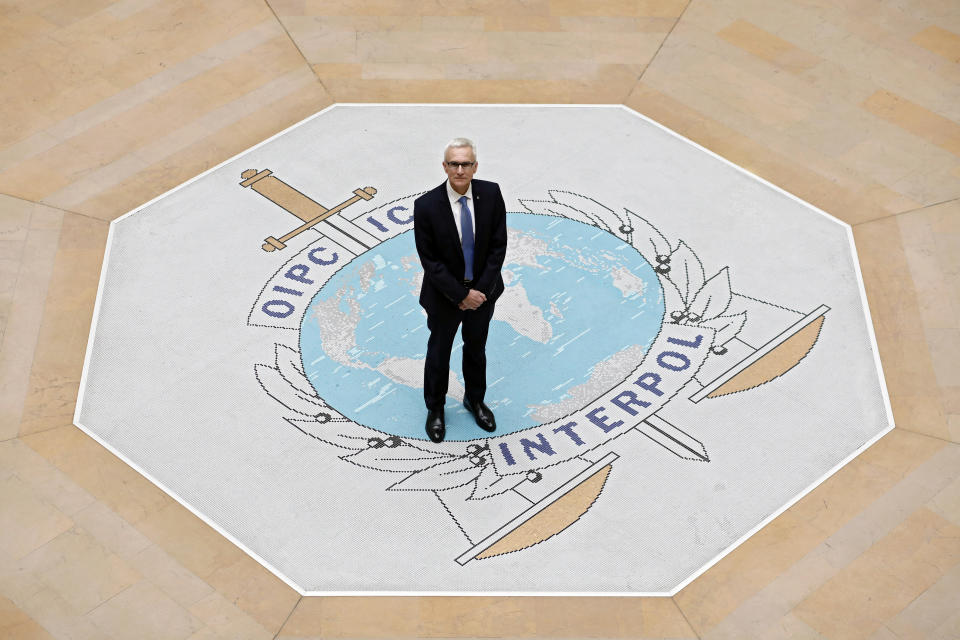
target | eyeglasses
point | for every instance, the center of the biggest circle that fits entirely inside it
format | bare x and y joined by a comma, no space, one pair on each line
462,165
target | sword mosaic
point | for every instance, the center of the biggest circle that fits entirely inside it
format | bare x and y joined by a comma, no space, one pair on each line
682,350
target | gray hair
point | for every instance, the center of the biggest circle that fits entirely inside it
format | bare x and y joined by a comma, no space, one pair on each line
461,142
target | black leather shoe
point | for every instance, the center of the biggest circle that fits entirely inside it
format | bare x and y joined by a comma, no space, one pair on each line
482,415
436,428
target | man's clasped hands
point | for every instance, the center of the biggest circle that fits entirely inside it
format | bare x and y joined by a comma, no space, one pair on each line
473,300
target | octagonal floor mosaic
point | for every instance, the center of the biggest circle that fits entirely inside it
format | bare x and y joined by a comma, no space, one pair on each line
682,350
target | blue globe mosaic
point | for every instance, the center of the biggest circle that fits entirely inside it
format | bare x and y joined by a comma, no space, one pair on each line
579,309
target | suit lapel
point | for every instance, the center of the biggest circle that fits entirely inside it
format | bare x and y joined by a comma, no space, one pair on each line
481,217
447,228
445,219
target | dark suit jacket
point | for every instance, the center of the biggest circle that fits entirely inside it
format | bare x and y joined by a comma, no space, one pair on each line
440,251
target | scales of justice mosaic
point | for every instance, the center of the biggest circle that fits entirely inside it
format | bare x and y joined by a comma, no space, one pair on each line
603,322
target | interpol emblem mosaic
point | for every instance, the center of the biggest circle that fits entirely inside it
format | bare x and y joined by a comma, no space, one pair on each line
680,352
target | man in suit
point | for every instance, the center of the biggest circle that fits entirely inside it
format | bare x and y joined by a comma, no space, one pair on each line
460,228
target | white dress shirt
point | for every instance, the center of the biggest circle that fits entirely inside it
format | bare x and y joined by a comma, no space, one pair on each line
455,208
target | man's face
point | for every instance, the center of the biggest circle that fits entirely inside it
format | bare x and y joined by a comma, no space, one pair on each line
460,176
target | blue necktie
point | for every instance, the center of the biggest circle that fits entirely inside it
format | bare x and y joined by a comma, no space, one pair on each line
466,233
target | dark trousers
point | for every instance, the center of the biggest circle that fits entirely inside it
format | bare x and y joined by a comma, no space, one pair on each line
443,324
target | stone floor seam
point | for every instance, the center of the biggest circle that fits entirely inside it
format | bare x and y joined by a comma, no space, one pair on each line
50,206
920,433
297,47
683,613
287,619
901,213
657,52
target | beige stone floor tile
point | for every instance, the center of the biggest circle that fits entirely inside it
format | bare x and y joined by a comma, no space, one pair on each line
870,42
149,121
452,23
766,613
922,171
30,237
900,453
20,27
653,8
568,617
114,173
254,590
17,625
171,577
402,71
198,49
59,618
81,570
521,23
465,617
17,582
921,413
662,618
916,119
113,532
747,93
27,522
136,94
192,542
907,361
945,219
20,120
769,47
800,530
72,13
102,474
323,43
937,295
305,620
885,579
953,427
946,503
599,47
351,617
785,627
301,25
413,47
144,612
125,8
337,69
611,83
225,618
838,88
945,352
206,633
62,340
746,570
533,72
934,607
46,481
884,633
409,7
541,72
948,630
164,35
206,152
844,495
852,203
14,225
940,41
